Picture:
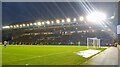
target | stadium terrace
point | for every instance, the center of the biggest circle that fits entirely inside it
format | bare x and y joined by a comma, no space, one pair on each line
73,31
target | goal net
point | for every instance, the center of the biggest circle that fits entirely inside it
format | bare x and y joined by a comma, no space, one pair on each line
93,43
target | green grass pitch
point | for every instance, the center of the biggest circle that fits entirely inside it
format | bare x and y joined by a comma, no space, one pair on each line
42,55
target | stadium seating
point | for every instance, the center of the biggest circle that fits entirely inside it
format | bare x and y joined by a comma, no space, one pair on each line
67,34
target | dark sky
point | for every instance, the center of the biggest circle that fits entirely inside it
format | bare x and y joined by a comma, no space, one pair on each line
16,12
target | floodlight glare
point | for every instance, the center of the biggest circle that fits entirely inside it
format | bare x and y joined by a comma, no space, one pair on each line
58,21
39,23
31,24
81,18
35,23
14,26
27,24
68,20
20,25
5,27
52,22
96,17
43,23
11,26
23,24
63,20
48,22
17,25
74,19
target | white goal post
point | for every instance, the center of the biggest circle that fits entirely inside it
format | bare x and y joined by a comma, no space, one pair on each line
93,42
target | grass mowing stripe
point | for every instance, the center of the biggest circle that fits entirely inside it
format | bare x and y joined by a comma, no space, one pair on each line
16,54
39,56
42,55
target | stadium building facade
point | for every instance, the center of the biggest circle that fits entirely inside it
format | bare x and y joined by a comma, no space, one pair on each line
66,31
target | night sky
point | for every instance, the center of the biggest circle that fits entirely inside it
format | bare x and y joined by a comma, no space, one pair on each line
16,12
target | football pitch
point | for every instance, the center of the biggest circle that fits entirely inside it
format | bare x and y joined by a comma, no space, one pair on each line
43,55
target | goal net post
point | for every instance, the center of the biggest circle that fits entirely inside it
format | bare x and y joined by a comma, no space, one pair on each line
93,43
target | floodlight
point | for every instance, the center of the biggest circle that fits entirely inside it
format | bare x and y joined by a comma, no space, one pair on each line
58,21
20,25
63,20
48,22
39,23
27,24
68,20
14,26
43,23
31,24
11,26
35,23
74,19
17,25
4,27
96,17
23,24
81,18
52,22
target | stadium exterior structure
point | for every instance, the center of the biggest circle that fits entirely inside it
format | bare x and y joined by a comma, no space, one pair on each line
74,33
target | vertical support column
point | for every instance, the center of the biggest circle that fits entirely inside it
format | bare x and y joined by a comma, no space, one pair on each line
97,45
93,42
87,42
99,42
79,43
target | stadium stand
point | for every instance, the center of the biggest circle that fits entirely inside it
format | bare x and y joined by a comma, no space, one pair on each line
71,33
